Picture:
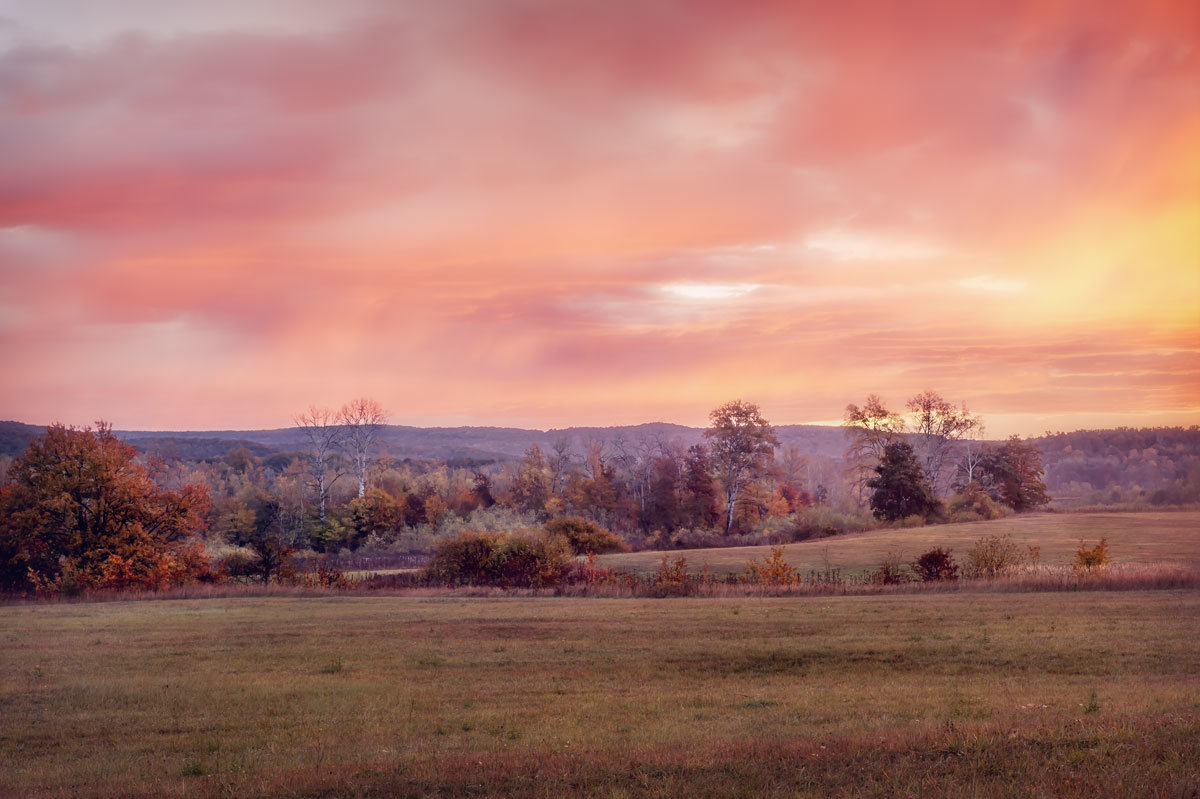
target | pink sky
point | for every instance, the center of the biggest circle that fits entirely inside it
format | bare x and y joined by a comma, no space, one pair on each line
213,215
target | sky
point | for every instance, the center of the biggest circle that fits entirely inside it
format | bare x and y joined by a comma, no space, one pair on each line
599,212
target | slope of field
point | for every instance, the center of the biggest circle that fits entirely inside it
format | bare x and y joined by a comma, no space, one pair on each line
927,695
1149,537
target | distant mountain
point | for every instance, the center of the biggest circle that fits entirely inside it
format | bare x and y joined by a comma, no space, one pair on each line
1076,462
441,443
15,436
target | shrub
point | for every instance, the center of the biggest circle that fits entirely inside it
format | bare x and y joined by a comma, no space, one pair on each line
467,558
262,562
972,505
673,579
534,563
510,561
589,573
935,565
772,571
695,538
818,521
1094,559
584,536
890,571
997,555
323,577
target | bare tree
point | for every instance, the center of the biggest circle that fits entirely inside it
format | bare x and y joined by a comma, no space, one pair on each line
938,426
868,430
560,464
362,419
974,453
324,434
741,444
636,459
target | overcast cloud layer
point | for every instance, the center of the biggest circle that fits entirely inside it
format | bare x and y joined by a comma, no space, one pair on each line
547,213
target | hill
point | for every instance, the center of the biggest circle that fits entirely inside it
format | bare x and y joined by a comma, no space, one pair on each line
1153,537
432,443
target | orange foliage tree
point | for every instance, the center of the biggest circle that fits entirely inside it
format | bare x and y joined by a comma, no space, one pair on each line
79,512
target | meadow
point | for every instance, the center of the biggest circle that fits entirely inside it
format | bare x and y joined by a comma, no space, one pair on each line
1063,694
1142,538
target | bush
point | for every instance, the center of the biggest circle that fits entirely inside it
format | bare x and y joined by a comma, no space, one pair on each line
589,573
935,565
323,577
673,579
584,536
890,571
818,521
972,505
1094,559
509,561
997,555
689,538
772,571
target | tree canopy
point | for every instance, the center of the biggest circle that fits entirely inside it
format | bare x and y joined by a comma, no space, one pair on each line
79,508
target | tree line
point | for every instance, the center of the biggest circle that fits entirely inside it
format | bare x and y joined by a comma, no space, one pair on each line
81,506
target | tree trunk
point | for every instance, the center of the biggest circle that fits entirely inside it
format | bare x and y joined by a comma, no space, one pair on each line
731,499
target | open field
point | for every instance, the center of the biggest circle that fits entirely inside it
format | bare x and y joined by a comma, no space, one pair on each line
1133,538
1078,694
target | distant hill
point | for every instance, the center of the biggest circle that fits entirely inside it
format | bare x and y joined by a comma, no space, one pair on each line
1076,462
15,436
441,443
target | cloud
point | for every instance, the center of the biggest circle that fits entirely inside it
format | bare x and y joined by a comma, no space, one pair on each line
991,285
707,292
602,211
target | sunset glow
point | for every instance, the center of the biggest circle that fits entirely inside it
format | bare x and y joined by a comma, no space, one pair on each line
542,214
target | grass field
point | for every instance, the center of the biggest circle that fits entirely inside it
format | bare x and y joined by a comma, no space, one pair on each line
1069,694
1133,538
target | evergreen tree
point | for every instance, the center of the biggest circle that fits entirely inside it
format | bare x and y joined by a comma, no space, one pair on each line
899,486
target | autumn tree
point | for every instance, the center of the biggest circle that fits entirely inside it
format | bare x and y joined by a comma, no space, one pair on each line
269,540
324,434
868,429
481,487
531,485
78,502
699,500
938,426
899,488
362,419
665,510
1012,474
741,444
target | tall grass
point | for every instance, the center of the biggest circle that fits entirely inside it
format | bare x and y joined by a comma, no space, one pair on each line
1026,579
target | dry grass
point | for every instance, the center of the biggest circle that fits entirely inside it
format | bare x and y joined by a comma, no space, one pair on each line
1171,537
1066,694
